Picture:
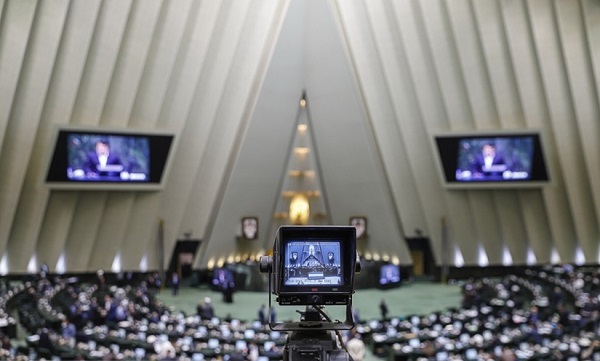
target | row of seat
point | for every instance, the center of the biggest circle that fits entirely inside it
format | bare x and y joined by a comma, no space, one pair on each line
148,328
518,314
513,315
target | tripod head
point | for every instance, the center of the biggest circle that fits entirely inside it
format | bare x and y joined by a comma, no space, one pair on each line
311,341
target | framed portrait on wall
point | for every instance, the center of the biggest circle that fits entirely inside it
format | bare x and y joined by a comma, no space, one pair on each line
360,223
250,227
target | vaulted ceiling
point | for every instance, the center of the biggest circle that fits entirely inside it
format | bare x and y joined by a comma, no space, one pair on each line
226,77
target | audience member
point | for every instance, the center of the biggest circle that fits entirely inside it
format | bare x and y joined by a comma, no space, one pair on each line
507,355
228,288
205,310
44,341
383,308
166,351
355,315
175,283
44,270
100,280
68,330
7,347
262,317
253,352
356,346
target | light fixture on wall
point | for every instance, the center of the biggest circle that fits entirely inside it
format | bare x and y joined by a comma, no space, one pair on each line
299,210
116,264
32,265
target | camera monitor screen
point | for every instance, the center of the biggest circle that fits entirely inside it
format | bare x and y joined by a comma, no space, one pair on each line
315,264
492,159
312,263
84,158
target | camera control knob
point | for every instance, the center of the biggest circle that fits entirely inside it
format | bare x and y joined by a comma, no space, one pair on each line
265,264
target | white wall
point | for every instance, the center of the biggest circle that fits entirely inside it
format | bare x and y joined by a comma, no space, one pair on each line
227,76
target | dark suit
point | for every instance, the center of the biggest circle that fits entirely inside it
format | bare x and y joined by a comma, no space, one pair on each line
45,342
478,166
92,164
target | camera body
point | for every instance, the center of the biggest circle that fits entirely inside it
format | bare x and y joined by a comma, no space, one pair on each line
313,265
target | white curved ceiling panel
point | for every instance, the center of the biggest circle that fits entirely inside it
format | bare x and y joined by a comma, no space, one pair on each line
382,77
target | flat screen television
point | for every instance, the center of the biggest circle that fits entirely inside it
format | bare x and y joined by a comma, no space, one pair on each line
492,159
222,278
103,159
389,274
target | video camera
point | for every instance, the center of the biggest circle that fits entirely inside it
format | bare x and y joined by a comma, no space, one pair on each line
313,266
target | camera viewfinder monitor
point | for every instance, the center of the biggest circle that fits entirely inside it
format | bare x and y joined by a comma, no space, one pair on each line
315,265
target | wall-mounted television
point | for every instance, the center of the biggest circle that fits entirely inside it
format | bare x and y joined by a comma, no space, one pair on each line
389,275
103,159
491,160
223,278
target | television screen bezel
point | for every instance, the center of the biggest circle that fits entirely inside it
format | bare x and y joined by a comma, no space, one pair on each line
540,160
344,235
168,139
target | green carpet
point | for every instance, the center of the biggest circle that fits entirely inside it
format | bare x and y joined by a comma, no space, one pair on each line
410,299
